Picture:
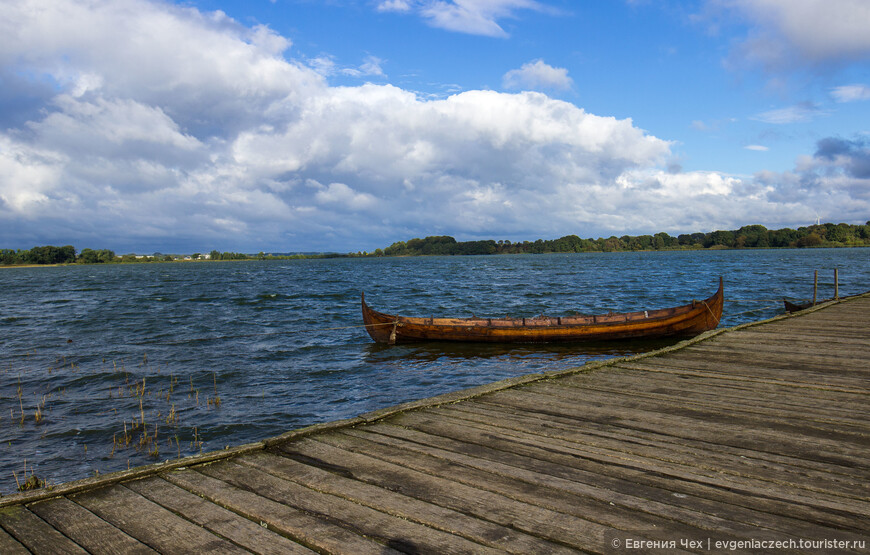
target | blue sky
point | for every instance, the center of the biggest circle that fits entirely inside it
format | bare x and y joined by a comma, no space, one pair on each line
346,125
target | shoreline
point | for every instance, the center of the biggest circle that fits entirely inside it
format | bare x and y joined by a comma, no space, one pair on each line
370,255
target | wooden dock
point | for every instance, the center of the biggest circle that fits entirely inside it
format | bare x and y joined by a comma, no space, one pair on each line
749,435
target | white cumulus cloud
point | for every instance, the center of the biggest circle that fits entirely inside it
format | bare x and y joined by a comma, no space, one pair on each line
537,75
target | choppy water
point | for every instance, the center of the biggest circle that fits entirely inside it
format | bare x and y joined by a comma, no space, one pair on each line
98,349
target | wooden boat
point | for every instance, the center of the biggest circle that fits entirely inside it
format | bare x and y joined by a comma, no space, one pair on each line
796,307
686,320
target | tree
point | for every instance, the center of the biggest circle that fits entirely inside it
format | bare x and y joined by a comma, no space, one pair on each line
783,237
9,256
839,233
720,238
612,244
102,256
810,240
753,236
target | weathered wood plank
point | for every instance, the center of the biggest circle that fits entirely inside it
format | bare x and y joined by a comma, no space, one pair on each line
805,335
850,430
845,362
402,506
843,319
85,528
691,425
550,480
11,546
446,484
723,390
841,355
710,485
744,374
694,455
387,529
627,436
215,518
784,335
314,531
35,534
830,373
550,486
844,351
696,395
152,524
757,453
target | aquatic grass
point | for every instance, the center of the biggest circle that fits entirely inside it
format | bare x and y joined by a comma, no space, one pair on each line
38,415
172,417
29,483
129,408
20,404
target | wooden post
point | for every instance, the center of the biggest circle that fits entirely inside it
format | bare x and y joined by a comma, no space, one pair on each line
836,284
392,340
815,287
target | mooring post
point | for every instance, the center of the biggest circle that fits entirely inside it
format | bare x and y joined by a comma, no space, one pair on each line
815,286
392,340
836,284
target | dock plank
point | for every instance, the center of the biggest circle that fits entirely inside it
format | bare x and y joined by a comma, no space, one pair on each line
679,453
754,395
215,518
694,425
152,524
35,534
309,530
844,429
688,481
438,482
367,522
402,506
618,504
85,528
10,545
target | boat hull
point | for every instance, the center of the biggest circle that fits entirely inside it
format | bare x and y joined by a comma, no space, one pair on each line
681,321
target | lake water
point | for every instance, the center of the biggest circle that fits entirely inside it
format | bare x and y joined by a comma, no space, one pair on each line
90,352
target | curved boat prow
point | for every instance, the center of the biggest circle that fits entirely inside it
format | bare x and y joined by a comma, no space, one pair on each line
375,321
715,305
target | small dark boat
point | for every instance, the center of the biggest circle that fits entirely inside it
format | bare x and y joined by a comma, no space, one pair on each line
681,321
796,307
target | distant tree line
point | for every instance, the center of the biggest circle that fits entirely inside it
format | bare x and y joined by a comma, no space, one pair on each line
39,255
56,255
747,237
68,255
216,255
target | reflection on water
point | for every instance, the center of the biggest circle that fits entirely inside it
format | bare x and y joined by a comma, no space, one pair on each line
434,351
203,355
